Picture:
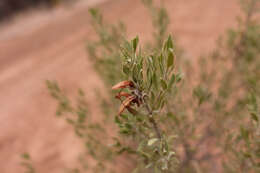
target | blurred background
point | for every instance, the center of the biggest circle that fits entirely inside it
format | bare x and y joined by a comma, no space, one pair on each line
11,7
46,39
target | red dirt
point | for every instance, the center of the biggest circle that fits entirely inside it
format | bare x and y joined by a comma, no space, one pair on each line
51,45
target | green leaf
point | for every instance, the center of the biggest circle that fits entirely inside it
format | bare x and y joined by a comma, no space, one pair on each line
170,59
164,85
26,156
169,43
93,11
70,121
135,43
247,155
155,80
254,116
124,131
162,104
128,126
161,62
145,155
152,141
172,80
117,120
171,153
126,149
152,98
178,77
244,133
124,116
126,70
149,165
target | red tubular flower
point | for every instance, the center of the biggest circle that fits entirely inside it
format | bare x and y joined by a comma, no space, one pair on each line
123,84
126,103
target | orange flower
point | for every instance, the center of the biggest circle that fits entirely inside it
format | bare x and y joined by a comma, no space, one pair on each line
122,94
126,103
130,98
123,84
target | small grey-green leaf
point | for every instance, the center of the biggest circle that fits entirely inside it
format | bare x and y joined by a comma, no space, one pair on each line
169,43
164,85
117,120
178,77
152,141
149,165
172,153
126,70
172,80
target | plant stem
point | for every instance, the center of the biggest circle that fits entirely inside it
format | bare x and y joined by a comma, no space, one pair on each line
152,120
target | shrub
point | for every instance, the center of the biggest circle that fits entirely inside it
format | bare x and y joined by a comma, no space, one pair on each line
202,120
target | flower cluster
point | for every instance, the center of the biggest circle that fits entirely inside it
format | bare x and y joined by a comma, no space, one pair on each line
133,98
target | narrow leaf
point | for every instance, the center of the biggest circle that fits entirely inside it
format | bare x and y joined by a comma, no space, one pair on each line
169,44
254,117
126,70
172,80
170,59
164,85
135,43
152,141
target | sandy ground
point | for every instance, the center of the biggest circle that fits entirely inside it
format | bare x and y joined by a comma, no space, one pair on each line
42,45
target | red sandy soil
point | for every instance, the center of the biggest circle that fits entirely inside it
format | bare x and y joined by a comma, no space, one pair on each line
42,45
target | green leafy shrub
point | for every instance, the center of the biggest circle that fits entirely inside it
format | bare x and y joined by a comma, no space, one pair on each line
205,119
213,125
89,130
149,77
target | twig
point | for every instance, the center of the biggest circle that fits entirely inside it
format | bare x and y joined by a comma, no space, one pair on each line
152,120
